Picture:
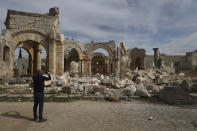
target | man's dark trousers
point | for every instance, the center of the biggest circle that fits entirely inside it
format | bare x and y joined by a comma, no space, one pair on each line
38,100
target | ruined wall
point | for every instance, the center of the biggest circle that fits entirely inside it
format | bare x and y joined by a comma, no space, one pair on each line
137,58
34,30
148,62
6,59
170,60
85,51
188,65
18,21
191,57
30,30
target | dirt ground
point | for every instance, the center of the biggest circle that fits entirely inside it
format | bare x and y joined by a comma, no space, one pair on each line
99,116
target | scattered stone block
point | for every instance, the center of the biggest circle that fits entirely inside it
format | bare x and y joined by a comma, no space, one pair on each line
68,89
142,92
99,88
129,90
175,95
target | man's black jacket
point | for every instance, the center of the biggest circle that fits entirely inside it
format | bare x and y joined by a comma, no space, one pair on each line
39,82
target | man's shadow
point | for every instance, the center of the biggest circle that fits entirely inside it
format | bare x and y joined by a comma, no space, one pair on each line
16,115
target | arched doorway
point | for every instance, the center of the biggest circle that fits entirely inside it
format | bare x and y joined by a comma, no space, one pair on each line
102,61
35,51
70,54
33,43
137,64
98,64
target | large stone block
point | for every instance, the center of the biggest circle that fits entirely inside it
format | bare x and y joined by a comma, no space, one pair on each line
68,89
99,88
175,95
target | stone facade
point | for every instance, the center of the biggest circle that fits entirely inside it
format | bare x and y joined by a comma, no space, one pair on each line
30,31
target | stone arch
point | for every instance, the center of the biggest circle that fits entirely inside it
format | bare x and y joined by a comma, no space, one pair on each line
76,47
31,36
137,62
137,58
98,54
37,39
6,53
103,46
99,64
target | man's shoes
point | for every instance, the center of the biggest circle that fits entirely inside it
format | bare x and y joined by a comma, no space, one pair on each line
42,120
35,119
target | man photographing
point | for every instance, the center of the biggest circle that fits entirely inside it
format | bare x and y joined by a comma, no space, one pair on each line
38,80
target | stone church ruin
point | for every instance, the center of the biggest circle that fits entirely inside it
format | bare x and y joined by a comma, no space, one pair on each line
30,31
81,68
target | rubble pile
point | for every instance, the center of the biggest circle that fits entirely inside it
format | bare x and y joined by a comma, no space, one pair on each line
142,83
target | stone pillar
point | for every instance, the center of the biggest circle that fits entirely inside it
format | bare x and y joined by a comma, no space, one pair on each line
111,66
86,67
90,67
31,62
80,66
52,56
38,57
60,58
11,62
115,66
156,56
107,67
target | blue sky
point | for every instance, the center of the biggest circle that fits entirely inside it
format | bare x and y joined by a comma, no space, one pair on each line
170,25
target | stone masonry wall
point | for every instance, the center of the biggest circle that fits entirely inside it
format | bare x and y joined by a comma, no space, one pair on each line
22,21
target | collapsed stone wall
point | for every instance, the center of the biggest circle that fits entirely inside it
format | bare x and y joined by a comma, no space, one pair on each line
169,60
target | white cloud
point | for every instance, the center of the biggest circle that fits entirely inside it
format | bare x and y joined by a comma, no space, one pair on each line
180,46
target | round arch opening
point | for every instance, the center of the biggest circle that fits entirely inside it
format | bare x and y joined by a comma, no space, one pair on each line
101,50
70,54
99,64
34,57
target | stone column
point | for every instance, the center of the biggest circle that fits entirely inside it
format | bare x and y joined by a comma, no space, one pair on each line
31,51
90,71
110,66
11,62
86,67
52,56
38,57
60,58
156,56
80,66
107,67
117,68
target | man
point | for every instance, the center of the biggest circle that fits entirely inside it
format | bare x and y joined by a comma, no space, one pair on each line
38,80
